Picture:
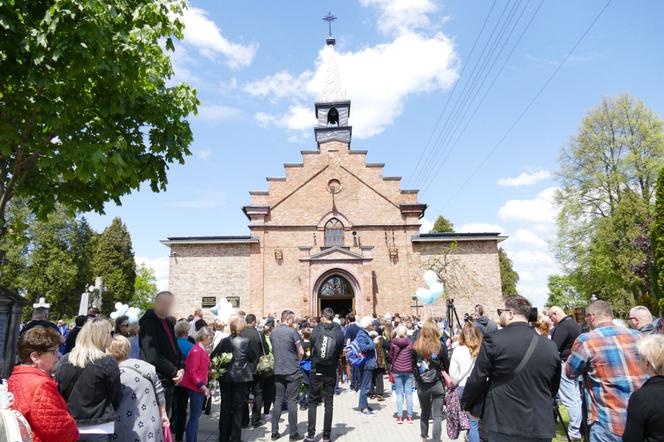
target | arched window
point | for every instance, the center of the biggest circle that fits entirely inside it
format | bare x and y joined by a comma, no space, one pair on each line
336,287
333,116
334,233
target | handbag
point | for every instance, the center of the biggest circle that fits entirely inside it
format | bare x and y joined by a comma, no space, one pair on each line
168,436
457,419
477,409
265,367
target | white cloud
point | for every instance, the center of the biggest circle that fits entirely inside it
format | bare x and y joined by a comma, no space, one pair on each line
426,225
525,178
217,112
203,154
160,266
378,79
529,238
540,210
204,34
481,228
534,268
397,16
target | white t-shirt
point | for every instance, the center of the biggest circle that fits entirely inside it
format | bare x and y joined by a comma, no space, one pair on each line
461,365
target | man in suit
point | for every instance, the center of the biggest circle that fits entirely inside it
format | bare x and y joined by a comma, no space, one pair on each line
260,347
515,378
158,345
564,334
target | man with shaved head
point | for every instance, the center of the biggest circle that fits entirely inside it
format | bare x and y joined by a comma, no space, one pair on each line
640,319
564,334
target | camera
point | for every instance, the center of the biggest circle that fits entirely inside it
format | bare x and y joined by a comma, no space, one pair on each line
467,317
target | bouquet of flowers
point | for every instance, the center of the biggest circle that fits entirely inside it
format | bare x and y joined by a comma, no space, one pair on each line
219,365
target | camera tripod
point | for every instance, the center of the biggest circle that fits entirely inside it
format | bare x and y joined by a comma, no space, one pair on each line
559,418
451,315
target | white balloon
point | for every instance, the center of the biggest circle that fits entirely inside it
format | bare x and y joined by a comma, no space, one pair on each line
436,290
422,294
430,277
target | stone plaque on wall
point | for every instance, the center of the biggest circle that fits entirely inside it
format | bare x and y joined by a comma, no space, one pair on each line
208,301
234,301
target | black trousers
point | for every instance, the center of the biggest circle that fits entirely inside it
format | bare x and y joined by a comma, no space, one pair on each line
268,393
286,387
179,421
377,384
169,392
233,401
321,384
255,389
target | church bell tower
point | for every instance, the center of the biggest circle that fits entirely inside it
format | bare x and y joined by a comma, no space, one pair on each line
332,107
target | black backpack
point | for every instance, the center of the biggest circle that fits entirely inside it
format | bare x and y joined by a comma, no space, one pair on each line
326,346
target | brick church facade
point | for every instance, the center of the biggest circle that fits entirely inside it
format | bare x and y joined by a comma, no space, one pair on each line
334,231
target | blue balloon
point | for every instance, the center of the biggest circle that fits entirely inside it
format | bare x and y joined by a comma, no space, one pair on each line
436,290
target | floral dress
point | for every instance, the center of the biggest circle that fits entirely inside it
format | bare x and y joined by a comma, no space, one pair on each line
139,418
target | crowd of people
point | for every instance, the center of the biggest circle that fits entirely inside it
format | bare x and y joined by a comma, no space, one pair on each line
129,380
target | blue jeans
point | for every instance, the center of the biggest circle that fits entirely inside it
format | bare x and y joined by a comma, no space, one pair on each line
365,386
473,432
196,401
599,433
403,384
570,396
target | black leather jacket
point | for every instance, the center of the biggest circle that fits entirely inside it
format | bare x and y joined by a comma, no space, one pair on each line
92,393
244,358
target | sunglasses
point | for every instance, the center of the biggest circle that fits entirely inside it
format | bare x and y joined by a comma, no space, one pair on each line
503,310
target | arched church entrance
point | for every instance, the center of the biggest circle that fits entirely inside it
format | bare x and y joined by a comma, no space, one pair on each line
336,291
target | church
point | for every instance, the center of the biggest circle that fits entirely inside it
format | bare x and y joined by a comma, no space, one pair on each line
334,232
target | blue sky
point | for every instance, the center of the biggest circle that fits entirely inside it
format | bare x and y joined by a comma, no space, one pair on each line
255,67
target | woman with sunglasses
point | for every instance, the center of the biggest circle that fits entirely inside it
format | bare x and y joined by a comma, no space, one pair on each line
89,380
36,394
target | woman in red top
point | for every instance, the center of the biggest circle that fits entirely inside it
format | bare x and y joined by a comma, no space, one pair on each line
36,394
195,379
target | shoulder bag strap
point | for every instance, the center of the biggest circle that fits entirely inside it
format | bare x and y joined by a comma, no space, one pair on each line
524,361
395,358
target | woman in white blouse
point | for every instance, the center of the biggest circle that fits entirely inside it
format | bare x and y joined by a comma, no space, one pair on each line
462,363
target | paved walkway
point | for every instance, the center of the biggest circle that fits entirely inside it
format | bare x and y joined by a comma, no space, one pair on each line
348,425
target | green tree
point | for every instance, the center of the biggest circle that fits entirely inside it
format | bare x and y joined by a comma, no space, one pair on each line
442,225
114,261
87,112
607,187
657,237
145,288
563,293
52,263
508,276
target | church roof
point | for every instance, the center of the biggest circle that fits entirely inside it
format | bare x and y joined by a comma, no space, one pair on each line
236,239
332,90
458,236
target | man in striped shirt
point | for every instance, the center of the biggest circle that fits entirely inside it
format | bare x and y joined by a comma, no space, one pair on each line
608,359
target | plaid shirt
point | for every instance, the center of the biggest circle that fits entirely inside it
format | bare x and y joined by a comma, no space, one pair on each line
608,359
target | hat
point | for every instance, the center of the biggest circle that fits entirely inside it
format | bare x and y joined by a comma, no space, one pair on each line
388,317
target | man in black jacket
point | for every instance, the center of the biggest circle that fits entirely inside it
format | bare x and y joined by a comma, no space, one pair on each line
327,343
482,322
259,347
159,346
564,334
515,379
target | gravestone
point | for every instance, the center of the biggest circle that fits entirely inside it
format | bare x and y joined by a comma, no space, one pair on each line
11,309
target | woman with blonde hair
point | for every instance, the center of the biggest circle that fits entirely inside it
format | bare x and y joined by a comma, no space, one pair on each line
429,358
89,380
142,396
463,361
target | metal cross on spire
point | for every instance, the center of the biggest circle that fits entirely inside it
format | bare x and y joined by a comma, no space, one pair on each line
329,18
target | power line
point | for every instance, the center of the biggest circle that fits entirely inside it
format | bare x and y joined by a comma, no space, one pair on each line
443,143
447,102
530,103
438,167
475,81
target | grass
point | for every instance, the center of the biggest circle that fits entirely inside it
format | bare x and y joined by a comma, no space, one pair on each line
560,433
